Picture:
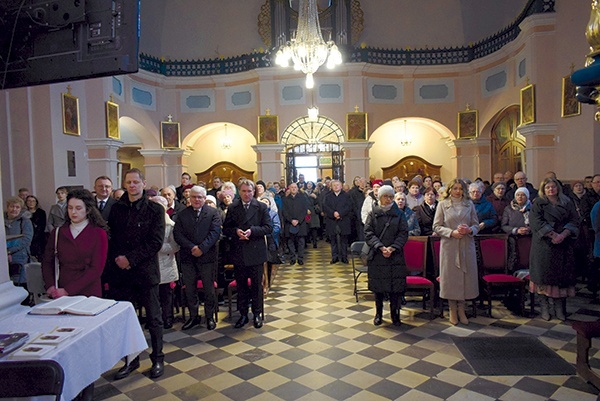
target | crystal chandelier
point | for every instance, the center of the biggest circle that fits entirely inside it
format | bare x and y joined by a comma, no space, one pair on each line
307,49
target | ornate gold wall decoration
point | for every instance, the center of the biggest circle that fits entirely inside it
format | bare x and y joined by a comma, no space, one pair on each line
264,23
358,21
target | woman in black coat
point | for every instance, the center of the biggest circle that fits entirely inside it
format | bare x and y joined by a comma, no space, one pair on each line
425,212
555,225
386,232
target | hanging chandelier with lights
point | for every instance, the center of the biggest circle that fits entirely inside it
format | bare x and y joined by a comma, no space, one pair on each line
307,50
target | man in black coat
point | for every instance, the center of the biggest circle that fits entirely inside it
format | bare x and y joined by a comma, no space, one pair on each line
197,230
137,230
295,209
104,202
246,224
337,207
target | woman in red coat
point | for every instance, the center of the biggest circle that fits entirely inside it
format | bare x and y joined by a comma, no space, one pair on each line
82,247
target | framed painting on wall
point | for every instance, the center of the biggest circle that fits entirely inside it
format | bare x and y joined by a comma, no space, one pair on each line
570,106
169,135
268,129
112,120
468,124
528,104
70,114
356,126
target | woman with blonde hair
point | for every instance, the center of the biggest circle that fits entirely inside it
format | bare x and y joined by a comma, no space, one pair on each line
456,223
555,225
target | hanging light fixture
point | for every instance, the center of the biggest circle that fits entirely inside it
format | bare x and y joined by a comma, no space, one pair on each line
405,137
225,141
313,113
307,49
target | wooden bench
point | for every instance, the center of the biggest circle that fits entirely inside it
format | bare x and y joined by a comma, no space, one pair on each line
585,332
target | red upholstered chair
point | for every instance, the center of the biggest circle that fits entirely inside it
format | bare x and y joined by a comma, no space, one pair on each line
415,255
494,268
435,244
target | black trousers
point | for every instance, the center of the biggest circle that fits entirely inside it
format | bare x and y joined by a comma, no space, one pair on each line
165,293
341,251
254,292
296,245
148,297
192,272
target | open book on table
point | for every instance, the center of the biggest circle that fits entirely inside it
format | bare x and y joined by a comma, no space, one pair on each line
75,305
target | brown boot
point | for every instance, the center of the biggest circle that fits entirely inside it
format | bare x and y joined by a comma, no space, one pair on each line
462,316
452,304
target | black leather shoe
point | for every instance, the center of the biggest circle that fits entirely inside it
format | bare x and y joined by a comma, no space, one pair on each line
157,370
241,322
191,322
378,320
292,262
345,261
333,261
396,318
300,262
258,322
210,324
168,325
127,369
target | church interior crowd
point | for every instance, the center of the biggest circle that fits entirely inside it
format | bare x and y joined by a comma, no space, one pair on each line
151,245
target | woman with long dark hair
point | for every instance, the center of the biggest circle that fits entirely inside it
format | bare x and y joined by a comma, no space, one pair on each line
82,245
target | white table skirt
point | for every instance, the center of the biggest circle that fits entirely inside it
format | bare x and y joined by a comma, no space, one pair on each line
105,339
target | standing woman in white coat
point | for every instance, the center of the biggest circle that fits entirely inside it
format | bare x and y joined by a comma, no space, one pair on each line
168,266
456,223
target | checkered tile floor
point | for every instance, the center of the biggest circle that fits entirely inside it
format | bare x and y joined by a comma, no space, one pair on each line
318,343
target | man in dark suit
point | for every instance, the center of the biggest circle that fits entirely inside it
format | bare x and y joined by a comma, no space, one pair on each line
137,230
104,202
337,207
197,230
295,209
246,224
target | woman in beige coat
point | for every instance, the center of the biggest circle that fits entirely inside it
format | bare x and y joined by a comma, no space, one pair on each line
456,223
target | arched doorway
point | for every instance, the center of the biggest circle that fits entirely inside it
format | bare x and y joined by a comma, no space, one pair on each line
507,144
313,148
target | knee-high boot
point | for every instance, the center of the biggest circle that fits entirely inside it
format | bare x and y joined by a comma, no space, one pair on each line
378,309
453,305
462,316
544,307
560,308
395,308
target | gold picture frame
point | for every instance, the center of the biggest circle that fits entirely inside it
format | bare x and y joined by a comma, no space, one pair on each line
268,129
528,104
170,137
112,120
570,106
356,126
468,124
70,114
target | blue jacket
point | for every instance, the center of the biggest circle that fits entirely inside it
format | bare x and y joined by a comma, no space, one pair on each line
486,214
595,215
